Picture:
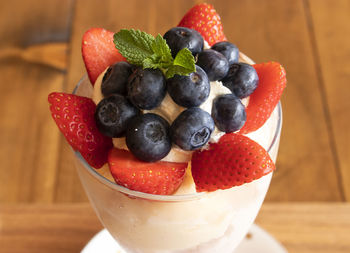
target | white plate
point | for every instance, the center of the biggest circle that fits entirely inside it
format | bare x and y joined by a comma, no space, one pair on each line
258,241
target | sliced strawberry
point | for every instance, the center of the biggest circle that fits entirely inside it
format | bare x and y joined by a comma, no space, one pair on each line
233,161
204,19
161,178
272,81
74,116
99,51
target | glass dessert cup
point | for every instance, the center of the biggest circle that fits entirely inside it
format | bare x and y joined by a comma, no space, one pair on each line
198,222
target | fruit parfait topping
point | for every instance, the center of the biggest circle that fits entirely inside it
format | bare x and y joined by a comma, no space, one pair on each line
172,108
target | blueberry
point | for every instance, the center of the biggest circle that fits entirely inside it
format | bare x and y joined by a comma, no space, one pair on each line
191,90
228,113
192,129
241,79
116,78
146,88
227,49
214,64
147,137
180,37
113,114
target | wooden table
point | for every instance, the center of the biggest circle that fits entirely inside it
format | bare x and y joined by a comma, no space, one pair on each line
300,227
40,52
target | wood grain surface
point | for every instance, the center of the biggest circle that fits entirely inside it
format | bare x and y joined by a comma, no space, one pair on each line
40,52
301,228
33,61
331,50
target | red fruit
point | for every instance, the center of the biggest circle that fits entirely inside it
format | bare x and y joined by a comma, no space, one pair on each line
204,19
272,81
99,51
161,178
233,161
74,116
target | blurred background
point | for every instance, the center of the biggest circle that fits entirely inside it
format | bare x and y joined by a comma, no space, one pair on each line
40,52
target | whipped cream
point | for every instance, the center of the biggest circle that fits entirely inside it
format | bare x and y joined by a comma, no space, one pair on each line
169,110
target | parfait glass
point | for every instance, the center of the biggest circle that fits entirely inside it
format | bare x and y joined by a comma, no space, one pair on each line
213,222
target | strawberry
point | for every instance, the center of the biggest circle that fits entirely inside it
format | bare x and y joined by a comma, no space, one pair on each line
99,51
161,178
272,81
204,19
74,116
233,161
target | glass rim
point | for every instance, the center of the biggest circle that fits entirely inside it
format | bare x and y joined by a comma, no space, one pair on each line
147,196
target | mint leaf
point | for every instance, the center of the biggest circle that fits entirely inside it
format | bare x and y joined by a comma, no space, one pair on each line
134,45
185,59
176,70
151,62
144,50
161,57
162,50
183,64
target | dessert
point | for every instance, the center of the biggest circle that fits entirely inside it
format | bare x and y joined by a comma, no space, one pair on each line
173,120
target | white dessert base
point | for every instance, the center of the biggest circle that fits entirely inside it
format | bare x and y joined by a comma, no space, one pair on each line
259,241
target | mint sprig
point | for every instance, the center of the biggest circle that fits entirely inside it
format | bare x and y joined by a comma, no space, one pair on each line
183,58
142,49
134,45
